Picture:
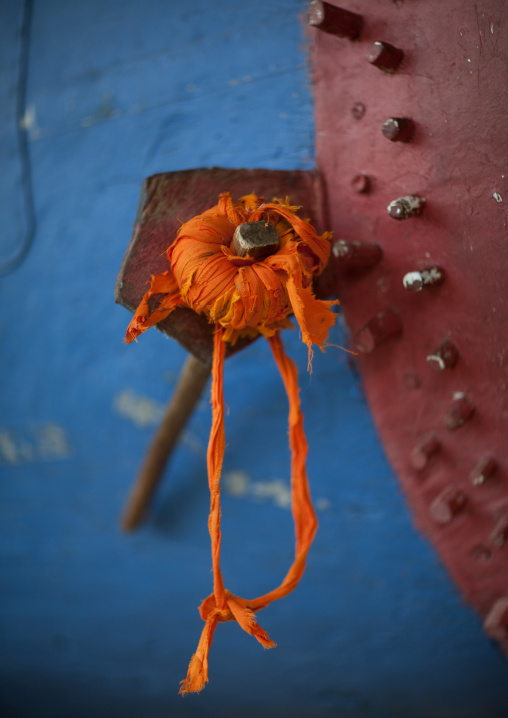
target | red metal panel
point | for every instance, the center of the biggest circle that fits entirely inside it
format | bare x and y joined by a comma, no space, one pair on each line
436,426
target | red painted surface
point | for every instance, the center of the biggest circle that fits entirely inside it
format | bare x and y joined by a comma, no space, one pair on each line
171,198
452,84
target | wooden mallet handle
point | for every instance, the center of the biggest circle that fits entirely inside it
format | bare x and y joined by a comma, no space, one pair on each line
191,383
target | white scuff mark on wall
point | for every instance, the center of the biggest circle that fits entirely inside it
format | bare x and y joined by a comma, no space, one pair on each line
323,504
276,491
43,442
144,412
139,409
29,123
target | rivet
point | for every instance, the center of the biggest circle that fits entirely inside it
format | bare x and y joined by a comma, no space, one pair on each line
499,534
481,553
358,110
460,410
445,356
424,451
483,470
398,129
418,279
384,56
386,324
335,20
361,183
357,254
406,207
496,622
450,502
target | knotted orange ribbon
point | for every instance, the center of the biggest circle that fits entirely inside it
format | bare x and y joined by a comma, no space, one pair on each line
244,296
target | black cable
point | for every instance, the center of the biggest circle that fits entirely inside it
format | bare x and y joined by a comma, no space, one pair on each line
13,262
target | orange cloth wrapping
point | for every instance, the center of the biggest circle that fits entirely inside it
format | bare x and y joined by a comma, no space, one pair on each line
245,296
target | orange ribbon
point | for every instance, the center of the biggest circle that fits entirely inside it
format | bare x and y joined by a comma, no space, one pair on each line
243,296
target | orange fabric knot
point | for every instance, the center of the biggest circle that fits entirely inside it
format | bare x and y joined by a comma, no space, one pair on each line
244,296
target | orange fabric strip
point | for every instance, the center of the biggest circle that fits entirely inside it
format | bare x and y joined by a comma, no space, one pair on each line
243,296
222,605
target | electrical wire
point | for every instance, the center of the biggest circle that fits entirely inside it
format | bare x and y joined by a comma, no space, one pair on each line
10,264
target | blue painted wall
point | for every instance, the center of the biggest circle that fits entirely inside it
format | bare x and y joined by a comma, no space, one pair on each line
94,622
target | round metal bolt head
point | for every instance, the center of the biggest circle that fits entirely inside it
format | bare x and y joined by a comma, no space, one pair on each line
424,451
496,623
398,129
384,56
361,184
444,357
499,535
386,324
358,110
356,254
255,239
418,279
460,410
450,502
406,207
335,20
483,470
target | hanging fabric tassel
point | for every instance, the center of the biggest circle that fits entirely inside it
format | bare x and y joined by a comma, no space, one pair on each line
245,296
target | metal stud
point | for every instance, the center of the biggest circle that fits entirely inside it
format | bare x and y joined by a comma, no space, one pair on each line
361,183
499,534
445,356
496,622
450,502
416,280
335,20
483,470
358,110
460,410
386,324
398,129
481,553
356,254
384,56
405,207
424,451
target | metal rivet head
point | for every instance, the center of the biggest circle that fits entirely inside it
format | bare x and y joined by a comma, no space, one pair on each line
496,622
424,451
356,254
450,502
335,20
384,56
398,129
386,324
444,357
358,110
499,534
361,184
416,280
460,410
481,553
406,207
256,239
483,470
